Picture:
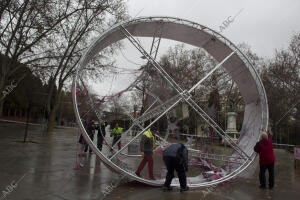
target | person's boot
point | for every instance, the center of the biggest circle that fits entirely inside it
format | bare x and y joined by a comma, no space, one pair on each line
167,188
262,187
184,189
271,186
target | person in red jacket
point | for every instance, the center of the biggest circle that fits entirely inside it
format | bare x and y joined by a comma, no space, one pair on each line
268,133
266,160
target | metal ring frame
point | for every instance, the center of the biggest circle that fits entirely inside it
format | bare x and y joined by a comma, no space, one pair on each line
219,47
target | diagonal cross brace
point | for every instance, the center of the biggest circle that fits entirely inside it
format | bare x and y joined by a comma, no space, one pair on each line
185,95
135,137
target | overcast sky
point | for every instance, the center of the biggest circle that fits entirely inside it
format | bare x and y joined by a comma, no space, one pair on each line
265,25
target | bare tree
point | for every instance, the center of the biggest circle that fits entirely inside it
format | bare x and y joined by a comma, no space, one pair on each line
281,79
25,26
73,39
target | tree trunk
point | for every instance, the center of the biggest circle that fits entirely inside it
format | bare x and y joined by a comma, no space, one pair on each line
1,108
51,121
27,123
4,64
50,93
2,81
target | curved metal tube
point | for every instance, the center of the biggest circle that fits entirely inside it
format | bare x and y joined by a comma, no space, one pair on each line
249,82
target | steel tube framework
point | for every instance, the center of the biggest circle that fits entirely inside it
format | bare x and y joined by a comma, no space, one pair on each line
228,56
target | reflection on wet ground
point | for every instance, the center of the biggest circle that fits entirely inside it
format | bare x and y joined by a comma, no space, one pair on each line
244,187
48,166
45,170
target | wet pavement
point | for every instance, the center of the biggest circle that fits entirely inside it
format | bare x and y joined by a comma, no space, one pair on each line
44,169
246,186
45,166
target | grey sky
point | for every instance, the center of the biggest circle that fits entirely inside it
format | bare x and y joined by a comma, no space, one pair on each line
264,25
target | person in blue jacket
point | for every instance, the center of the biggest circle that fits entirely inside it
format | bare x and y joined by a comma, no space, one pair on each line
176,158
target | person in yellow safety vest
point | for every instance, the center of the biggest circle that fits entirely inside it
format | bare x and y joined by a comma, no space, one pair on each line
116,132
147,146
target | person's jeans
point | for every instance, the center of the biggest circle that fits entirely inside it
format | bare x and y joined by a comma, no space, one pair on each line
262,177
149,159
173,163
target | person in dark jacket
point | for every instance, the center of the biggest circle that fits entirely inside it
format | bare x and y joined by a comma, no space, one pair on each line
176,158
147,146
266,160
101,134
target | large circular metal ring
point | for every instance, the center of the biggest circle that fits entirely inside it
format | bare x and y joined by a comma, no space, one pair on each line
248,80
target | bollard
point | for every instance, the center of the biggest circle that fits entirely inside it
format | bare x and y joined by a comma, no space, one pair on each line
297,157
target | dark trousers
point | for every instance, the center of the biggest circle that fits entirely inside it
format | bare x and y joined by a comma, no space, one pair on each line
116,138
262,177
86,145
172,163
99,141
149,159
